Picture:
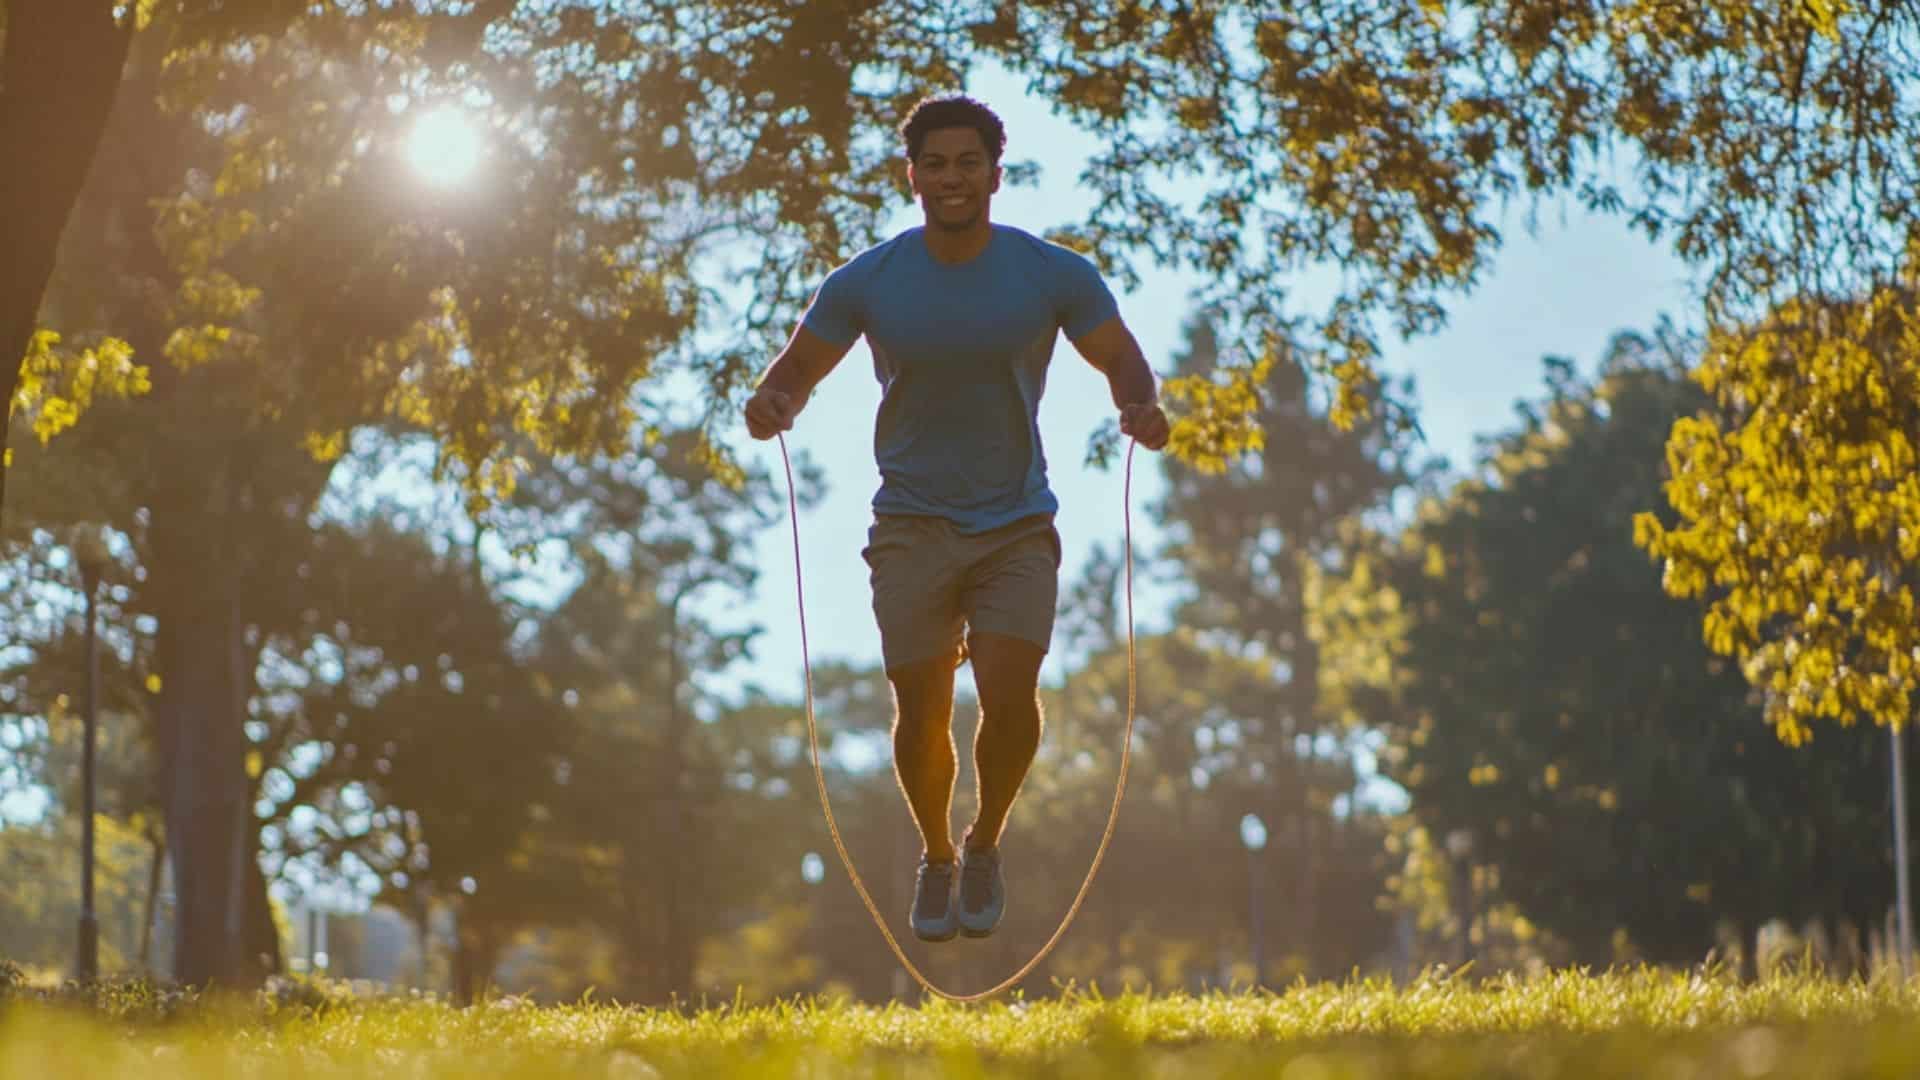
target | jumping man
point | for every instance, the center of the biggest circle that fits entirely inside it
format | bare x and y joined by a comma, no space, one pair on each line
961,315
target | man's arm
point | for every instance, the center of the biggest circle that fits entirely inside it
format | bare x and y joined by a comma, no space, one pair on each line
787,383
1112,350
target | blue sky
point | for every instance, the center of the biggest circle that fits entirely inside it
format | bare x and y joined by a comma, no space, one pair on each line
1564,289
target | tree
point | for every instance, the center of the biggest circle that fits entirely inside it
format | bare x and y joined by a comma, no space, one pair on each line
368,340
1248,540
1797,495
407,744
60,64
1205,755
1541,692
647,534
43,662
1383,138
1767,141
41,906
772,819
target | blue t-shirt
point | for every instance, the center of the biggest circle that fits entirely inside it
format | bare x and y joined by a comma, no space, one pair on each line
961,353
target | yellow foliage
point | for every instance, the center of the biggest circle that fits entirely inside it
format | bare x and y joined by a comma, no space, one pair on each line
1215,416
1799,500
326,446
1359,625
1355,383
57,385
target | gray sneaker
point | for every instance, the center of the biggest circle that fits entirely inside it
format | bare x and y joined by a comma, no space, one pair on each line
933,907
983,892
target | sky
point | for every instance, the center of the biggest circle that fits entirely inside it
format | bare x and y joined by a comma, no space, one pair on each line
1563,290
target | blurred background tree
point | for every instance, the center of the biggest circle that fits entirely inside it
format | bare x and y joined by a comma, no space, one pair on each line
1546,702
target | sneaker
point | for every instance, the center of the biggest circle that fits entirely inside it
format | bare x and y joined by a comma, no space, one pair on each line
983,892
933,907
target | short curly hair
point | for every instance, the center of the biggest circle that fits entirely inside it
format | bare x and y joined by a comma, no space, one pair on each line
952,111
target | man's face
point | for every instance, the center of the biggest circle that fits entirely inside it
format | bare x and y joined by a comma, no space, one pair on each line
954,177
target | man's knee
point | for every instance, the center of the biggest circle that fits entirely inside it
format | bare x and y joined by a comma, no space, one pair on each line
923,698
1006,672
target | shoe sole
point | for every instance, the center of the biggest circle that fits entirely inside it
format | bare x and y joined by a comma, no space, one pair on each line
936,939
978,934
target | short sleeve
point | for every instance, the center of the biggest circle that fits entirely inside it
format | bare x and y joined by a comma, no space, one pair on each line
1085,301
835,312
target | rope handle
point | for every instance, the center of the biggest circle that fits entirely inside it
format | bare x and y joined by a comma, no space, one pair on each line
820,776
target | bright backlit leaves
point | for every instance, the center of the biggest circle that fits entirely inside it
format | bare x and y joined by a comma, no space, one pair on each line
57,384
1799,501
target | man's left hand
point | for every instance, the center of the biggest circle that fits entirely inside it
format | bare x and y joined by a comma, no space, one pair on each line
1145,424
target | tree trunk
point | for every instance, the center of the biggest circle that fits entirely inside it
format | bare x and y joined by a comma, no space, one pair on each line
59,72
262,940
462,965
158,841
420,911
1749,951
476,954
1310,886
202,741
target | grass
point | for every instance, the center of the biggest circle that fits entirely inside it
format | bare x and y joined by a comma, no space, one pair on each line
1640,1023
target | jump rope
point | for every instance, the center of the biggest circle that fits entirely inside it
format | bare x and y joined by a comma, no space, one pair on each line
820,776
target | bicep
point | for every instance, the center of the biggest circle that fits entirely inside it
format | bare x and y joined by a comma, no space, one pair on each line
1108,345
811,355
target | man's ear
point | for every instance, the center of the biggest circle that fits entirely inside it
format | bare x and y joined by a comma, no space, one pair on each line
913,180
993,186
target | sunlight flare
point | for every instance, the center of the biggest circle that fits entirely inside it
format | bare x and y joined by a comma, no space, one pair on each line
445,146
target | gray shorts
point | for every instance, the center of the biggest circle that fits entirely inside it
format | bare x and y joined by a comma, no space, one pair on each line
931,583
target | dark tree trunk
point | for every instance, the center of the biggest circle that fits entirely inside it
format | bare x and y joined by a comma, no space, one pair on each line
202,741
475,956
158,841
420,911
59,72
1749,951
262,937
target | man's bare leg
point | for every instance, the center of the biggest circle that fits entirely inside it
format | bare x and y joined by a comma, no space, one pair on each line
1006,674
923,750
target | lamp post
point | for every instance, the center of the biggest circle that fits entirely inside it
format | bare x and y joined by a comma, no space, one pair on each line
1903,894
1890,582
90,553
1253,836
1460,846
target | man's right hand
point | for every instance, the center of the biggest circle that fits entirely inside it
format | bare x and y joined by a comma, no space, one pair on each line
770,412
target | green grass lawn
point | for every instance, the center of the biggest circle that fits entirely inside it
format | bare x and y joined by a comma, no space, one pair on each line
1635,1024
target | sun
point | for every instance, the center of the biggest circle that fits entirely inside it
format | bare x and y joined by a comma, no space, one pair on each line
445,146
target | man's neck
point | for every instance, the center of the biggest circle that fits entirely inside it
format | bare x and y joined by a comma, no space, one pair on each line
958,246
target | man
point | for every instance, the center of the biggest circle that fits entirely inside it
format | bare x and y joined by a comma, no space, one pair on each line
961,315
